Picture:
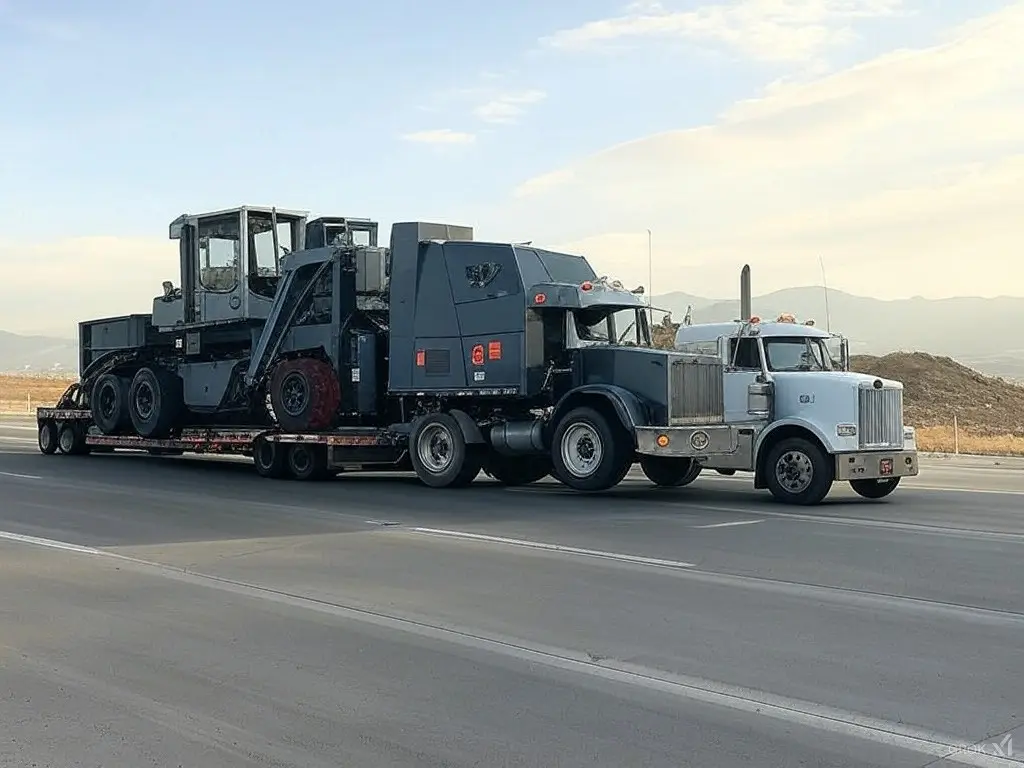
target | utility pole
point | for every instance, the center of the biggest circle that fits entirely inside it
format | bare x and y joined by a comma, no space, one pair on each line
650,281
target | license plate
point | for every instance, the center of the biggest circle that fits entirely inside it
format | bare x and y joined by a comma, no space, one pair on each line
885,465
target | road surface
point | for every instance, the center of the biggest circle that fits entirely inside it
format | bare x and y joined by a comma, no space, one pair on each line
186,612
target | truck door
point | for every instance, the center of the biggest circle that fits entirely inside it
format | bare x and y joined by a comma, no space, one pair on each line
219,268
740,376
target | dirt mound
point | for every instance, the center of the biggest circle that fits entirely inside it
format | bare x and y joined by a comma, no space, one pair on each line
936,388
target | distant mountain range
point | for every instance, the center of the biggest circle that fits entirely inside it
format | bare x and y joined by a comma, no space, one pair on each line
980,333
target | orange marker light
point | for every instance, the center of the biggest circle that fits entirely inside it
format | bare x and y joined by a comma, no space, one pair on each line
540,298
478,354
755,319
421,358
662,441
494,350
586,285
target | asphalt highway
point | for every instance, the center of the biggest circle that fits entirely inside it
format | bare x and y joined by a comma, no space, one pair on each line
182,611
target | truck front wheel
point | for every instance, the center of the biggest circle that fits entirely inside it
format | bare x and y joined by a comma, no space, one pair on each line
588,453
798,471
875,489
440,455
670,472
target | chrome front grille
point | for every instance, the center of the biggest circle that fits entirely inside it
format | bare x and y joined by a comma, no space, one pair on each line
880,419
696,387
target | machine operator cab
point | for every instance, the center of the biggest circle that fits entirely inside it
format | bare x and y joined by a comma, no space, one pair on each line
230,265
231,261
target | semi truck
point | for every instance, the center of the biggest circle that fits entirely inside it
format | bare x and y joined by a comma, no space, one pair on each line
309,347
805,420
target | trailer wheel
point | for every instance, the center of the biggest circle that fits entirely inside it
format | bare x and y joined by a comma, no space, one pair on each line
517,470
48,438
304,394
669,471
440,455
588,453
875,489
154,401
269,459
307,462
798,471
71,440
108,404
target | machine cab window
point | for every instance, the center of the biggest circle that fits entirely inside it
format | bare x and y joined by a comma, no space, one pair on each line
220,252
749,355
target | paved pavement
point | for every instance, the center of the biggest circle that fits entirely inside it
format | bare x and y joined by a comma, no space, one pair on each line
184,611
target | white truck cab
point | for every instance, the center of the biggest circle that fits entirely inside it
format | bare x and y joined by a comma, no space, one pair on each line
808,421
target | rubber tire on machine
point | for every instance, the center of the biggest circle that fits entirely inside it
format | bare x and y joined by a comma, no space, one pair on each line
517,470
822,471
616,457
165,396
460,465
320,394
113,390
875,489
48,438
71,440
269,459
307,462
669,471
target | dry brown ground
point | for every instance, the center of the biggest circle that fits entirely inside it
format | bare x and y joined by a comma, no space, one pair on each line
989,410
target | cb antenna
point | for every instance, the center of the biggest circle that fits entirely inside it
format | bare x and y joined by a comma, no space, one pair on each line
824,285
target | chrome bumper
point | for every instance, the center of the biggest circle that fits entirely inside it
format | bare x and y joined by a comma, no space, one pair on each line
696,442
876,465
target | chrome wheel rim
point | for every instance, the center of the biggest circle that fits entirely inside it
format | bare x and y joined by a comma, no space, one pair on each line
794,471
582,450
435,448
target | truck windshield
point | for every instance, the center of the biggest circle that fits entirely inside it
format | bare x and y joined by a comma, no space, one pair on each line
612,325
799,354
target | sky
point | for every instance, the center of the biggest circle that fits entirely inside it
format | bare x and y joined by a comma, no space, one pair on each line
880,142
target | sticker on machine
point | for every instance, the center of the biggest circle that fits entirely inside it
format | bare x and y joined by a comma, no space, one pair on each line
478,375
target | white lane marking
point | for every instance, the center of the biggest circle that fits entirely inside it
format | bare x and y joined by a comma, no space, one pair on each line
618,556
746,700
910,485
18,427
50,543
729,525
24,477
5,439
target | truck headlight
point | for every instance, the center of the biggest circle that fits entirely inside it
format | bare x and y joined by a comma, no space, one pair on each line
846,430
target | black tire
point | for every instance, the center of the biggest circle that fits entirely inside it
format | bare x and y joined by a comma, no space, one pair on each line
670,472
48,438
71,440
517,470
154,402
726,472
307,462
583,434
269,459
807,472
875,489
305,394
440,455
108,404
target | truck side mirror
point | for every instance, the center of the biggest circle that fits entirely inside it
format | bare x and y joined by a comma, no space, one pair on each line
759,399
844,354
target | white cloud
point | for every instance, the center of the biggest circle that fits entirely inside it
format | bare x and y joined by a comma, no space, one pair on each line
440,136
772,30
905,173
508,107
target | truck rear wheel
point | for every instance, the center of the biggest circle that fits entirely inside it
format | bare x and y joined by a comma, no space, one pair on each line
875,489
669,471
108,404
798,471
588,453
48,438
71,440
154,402
307,462
517,470
269,459
304,394
440,455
